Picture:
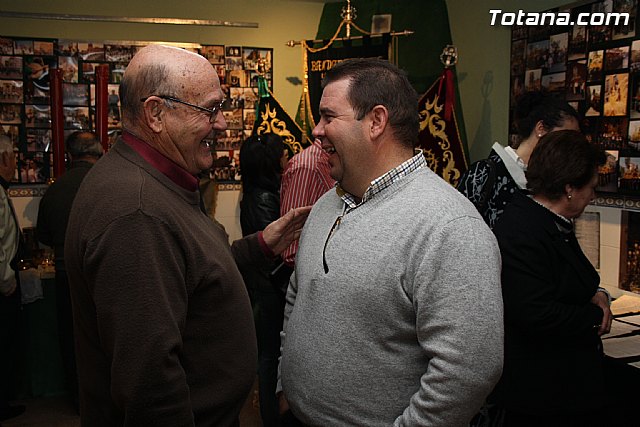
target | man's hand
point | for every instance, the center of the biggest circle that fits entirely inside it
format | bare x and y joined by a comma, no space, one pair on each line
283,404
602,300
280,233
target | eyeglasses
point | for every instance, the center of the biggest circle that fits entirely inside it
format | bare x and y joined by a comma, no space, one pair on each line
334,227
213,112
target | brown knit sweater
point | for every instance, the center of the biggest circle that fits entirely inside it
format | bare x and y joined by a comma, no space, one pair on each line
164,331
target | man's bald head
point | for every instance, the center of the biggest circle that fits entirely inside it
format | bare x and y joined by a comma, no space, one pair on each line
157,70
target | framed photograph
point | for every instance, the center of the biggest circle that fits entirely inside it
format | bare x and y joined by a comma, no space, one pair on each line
11,91
117,72
75,94
594,65
214,54
616,89
616,58
76,118
13,132
625,30
113,100
35,94
634,64
10,114
10,67
236,97
578,43
557,58
233,51
23,47
554,82
6,46
91,51
613,132
67,48
576,80
594,101
537,54
234,119
533,80
43,48
229,140
69,67
250,96
257,59
381,24
248,118
118,53
629,174
38,140
34,167
222,72
634,135
37,116
634,94
600,33
519,32
238,78
225,165
518,57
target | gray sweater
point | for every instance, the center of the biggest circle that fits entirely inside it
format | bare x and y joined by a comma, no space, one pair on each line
406,328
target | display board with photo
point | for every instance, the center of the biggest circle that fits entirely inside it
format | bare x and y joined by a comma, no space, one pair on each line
596,69
25,112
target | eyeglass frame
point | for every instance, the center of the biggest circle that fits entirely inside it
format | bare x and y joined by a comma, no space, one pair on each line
213,112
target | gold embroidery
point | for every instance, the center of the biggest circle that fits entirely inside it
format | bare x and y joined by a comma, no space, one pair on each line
271,124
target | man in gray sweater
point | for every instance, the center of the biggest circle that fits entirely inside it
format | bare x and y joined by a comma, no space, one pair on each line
394,312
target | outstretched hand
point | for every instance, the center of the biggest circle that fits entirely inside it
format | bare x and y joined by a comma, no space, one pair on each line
281,233
602,300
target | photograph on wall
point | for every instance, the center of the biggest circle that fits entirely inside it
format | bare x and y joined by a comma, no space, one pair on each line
225,165
38,140
625,29
10,114
42,47
600,33
113,101
537,54
576,80
234,118
248,118
554,82
76,118
6,46
91,51
257,59
118,53
236,97
67,48
629,174
23,47
117,72
634,135
616,90
613,132
557,57
594,66
13,132
237,78
634,94
233,62
69,67
11,91
37,116
616,58
34,167
75,94
229,140
578,43
533,80
519,32
213,53
10,67
593,101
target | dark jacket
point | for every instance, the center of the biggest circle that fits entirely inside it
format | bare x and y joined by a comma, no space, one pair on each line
553,355
258,209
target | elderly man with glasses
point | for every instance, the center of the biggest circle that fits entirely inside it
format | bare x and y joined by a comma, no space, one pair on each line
394,312
164,329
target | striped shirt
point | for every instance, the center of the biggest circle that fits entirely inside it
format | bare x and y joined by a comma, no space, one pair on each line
305,179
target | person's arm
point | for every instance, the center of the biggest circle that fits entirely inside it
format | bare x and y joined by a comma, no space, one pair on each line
603,300
459,324
530,290
302,185
7,248
140,297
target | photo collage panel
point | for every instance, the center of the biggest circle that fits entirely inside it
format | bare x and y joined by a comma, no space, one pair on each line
25,105
596,69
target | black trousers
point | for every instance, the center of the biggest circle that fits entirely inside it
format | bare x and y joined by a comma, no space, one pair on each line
65,332
9,321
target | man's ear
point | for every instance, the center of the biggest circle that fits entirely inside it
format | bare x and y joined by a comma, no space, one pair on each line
379,120
152,111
